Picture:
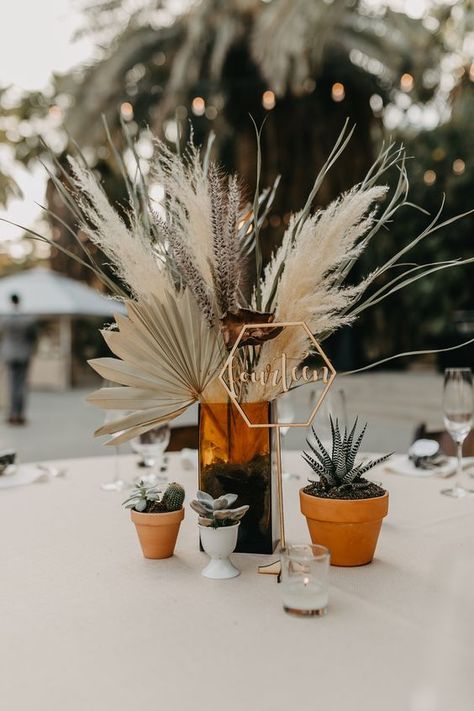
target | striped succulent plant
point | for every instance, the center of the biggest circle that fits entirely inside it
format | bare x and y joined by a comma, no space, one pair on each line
338,470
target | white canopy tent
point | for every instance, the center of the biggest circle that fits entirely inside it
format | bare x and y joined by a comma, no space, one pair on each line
48,295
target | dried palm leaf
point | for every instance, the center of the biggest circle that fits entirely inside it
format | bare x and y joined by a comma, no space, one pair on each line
167,356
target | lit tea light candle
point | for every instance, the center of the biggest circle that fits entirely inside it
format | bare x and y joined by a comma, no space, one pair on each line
304,579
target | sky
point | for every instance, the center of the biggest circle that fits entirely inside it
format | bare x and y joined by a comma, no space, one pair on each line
35,40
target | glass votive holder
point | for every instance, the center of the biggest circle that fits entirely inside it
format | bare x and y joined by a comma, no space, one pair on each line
304,579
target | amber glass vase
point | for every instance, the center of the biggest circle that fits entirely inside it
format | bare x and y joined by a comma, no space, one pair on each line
235,458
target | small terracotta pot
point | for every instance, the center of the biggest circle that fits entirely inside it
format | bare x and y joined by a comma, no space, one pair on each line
349,528
157,532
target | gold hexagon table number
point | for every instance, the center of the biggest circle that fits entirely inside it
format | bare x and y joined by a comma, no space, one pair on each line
285,373
277,377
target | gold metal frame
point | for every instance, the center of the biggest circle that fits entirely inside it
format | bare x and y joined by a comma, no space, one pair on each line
275,567
228,368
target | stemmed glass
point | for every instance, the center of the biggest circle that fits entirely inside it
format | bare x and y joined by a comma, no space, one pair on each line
151,447
286,414
117,483
458,409
334,405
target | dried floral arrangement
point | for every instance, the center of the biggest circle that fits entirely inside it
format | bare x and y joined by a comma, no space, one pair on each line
338,475
216,513
185,269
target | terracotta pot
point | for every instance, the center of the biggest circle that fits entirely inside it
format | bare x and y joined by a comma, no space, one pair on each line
349,528
157,532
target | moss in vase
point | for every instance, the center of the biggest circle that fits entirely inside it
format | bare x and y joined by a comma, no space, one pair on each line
251,481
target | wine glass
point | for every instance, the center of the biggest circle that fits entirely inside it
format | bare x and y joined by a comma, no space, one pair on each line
117,483
151,447
286,414
334,405
458,409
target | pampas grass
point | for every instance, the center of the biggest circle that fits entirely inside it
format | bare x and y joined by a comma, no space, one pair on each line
225,207
129,249
203,209
187,201
309,288
184,272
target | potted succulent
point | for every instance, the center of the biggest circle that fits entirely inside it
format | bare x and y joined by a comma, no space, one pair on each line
157,517
343,510
218,526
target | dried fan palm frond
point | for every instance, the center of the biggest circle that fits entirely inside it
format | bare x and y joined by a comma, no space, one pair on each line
167,356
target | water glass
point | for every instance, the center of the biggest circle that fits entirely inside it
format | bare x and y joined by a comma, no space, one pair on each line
458,407
151,446
304,579
117,483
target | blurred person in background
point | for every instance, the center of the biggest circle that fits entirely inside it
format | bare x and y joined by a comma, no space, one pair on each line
18,333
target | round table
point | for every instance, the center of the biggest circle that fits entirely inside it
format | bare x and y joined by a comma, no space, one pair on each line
88,624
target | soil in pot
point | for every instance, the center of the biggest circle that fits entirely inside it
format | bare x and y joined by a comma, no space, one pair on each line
370,491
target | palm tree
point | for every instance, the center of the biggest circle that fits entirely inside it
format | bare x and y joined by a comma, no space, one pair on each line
304,65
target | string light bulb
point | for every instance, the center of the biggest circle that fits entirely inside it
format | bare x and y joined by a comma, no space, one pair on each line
459,166
407,82
429,177
198,106
438,154
338,91
126,109
268,100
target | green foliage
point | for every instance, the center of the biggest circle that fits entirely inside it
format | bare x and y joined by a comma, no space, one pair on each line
142,496
425,314
147,499
337,470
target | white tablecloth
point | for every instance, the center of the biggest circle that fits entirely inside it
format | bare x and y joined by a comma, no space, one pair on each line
87,624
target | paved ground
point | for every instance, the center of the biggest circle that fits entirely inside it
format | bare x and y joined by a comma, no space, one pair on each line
62,424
